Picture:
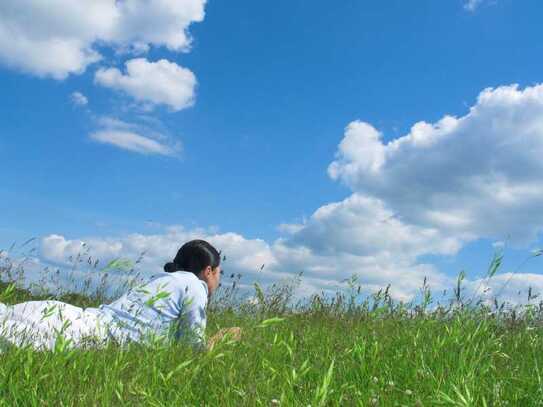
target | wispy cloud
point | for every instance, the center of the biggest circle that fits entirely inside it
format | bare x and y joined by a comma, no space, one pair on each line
131,142
135,138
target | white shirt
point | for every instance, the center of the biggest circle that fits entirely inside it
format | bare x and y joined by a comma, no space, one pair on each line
169,304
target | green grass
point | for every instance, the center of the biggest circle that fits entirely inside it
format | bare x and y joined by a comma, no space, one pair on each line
336,352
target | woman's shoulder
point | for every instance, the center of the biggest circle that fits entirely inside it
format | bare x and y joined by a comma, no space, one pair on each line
190,282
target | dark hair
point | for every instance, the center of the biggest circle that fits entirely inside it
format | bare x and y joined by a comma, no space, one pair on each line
194,256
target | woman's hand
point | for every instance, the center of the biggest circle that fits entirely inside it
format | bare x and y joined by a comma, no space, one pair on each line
233,333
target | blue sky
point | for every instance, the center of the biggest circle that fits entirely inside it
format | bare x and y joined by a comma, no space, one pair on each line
277,86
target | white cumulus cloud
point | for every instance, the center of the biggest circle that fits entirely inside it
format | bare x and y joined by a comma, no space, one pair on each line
60,37
476,176
157,22
160,82
362,225
321,272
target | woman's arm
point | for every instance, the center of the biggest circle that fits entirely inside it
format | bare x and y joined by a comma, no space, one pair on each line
192,319
233,333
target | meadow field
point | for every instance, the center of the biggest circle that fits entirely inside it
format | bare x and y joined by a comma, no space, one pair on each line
346,350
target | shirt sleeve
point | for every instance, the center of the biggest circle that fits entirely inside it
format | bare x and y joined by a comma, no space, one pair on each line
192,318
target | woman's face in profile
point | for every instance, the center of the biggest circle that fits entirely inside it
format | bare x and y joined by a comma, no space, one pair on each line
213,278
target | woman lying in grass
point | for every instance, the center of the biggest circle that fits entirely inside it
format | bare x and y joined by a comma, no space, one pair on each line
171,306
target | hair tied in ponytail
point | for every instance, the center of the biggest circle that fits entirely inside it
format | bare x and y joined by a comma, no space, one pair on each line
170,268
